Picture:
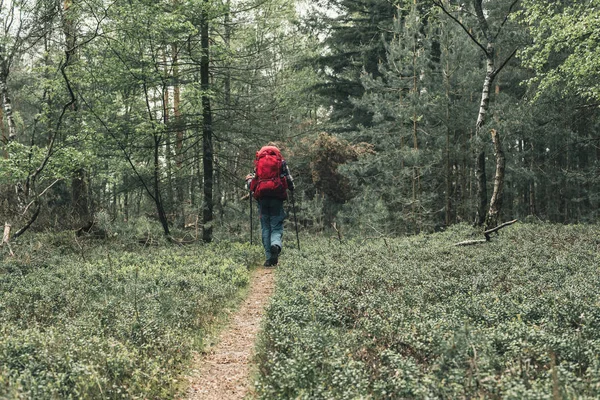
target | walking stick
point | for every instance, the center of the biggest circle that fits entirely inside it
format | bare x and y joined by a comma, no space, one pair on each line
295,219
251,222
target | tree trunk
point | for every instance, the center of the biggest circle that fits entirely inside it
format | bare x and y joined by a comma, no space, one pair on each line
157,199
168,151
448,200
416,209
3,136
126,206
79,185
481,181
179,181
489,51
79,201
496,202
480,188
207,140
6,104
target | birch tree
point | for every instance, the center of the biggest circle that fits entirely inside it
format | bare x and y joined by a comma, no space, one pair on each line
484,35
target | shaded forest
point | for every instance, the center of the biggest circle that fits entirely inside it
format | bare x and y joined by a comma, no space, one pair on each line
396,117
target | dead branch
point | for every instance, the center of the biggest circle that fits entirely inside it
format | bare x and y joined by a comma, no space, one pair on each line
496,229
39,195
471,242
486,234
339,233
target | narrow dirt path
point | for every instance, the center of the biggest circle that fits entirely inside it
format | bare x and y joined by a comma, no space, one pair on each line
223,373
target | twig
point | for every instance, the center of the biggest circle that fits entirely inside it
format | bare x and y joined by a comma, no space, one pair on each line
40,195
337,230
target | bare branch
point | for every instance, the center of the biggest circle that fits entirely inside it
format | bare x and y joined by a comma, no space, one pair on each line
505,18
487,235
496,229
29,223
72,100
497,70
40,195
121,146
473,38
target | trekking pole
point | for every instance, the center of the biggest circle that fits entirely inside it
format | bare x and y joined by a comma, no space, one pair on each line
251,222
295,219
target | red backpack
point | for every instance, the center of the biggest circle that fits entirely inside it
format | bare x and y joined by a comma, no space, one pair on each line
268,181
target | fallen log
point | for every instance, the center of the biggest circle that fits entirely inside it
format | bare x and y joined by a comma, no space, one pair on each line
486,234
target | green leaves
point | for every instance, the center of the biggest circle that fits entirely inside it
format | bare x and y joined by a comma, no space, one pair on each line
420,318
120,325
564,50
22,160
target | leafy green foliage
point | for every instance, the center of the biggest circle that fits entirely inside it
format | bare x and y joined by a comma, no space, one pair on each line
117,324
420,318
564,50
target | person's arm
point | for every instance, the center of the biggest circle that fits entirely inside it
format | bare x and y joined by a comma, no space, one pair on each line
249,179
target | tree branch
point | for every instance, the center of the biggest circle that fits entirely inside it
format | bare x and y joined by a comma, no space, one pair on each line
473,38
496,229
497,70
505,19
72,101
121,146
39,195
29,223
483,24
487,235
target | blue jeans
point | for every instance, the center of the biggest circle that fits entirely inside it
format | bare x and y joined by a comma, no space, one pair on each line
271,215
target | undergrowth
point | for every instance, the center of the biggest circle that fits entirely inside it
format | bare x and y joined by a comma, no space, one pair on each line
109,319
516,318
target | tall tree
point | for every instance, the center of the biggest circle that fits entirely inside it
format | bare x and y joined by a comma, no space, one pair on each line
352,45
207,129
485,37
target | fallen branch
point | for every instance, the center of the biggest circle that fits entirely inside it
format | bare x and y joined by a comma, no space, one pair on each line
496,229
471,242
486,234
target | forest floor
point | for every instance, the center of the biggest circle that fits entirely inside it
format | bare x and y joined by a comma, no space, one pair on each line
223,371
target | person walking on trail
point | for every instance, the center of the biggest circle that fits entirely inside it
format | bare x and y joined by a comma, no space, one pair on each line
269,183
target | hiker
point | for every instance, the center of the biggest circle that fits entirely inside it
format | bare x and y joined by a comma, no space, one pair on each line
269,183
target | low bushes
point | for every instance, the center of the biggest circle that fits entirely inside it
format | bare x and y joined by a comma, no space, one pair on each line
518,317
120,324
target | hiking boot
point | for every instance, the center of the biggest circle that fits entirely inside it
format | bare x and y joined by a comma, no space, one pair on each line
275,250
267,263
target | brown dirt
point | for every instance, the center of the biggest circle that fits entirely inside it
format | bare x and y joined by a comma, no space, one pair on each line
223,372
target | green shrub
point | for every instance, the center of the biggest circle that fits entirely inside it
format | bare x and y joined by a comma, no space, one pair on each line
518,317
119,324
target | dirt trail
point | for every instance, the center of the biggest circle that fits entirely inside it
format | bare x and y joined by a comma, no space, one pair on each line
223,372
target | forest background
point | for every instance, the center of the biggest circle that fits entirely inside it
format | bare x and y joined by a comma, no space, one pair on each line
142,117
